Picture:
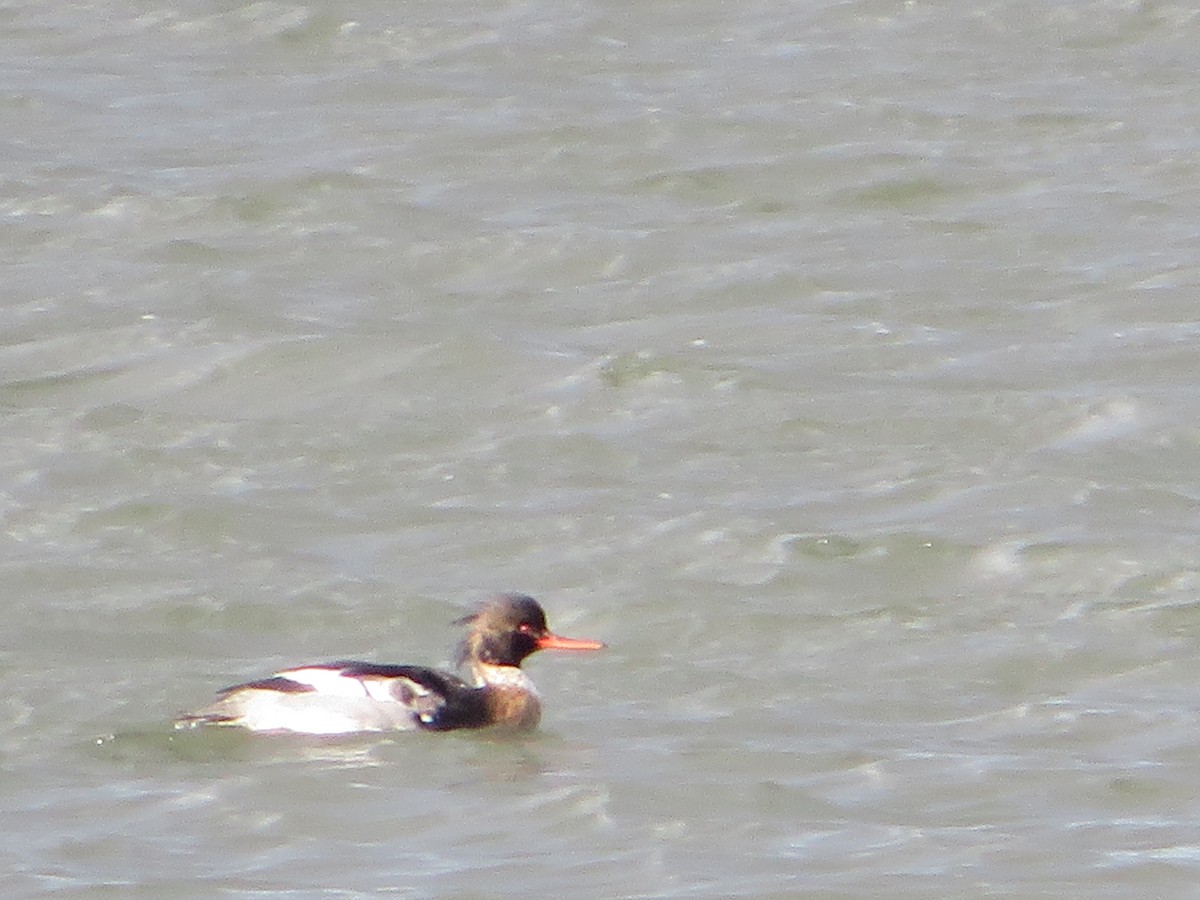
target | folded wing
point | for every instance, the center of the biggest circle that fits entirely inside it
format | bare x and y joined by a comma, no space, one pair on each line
344,697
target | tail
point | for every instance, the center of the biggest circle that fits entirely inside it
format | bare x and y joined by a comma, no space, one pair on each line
195,720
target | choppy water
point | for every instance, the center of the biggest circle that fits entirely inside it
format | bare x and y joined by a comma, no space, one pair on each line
833,362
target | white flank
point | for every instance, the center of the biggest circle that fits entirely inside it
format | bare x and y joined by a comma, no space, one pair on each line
320,713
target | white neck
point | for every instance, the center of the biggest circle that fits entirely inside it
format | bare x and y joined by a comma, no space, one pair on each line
502,676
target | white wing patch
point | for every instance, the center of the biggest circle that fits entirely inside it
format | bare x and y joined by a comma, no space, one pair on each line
339,683
328,681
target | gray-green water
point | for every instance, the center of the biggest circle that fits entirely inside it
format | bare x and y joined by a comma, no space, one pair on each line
836,363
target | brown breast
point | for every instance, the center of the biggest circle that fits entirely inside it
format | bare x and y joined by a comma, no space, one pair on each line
513,707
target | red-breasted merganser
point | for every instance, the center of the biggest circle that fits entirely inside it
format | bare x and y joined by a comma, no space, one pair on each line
347,697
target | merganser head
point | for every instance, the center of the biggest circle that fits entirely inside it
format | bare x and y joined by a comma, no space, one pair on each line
510,627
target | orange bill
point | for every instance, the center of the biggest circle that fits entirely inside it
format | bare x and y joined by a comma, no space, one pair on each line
554,642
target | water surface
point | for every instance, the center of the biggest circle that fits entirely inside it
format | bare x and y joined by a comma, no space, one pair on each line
833,362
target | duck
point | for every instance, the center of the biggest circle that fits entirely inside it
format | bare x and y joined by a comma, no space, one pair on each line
350,696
